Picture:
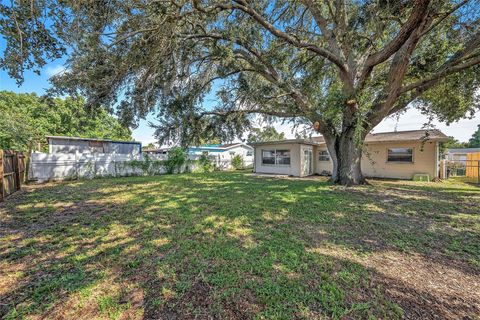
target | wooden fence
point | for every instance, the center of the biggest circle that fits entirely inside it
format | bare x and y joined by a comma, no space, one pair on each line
13,172
473,163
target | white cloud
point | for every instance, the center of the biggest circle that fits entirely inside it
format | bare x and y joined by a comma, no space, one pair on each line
55,70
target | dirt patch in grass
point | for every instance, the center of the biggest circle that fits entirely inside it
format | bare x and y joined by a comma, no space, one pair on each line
426,288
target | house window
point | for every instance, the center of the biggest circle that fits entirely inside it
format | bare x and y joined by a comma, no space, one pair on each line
324,156
249,153
276,157
283,157
400,155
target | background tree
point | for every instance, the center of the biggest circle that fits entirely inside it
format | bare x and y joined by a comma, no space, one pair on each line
474,141
450,144
26,119
209,140
454,143
149,146
340,66
268,133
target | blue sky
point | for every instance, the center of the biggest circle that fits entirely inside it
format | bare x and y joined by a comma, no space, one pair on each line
411,120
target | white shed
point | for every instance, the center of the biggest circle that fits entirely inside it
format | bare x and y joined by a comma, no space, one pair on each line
61,144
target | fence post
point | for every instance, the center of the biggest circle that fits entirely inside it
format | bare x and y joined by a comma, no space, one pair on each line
16,171
2,187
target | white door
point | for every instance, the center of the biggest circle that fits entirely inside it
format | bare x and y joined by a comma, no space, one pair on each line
307,162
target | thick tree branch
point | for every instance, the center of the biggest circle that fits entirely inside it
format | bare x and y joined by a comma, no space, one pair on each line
419,13
243,6
323,25
430,81
446,15
396,75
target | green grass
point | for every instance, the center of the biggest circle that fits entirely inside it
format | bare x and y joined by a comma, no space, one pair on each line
231,246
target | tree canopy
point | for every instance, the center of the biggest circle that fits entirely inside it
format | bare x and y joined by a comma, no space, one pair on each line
28,118
474,141
340,66
268,133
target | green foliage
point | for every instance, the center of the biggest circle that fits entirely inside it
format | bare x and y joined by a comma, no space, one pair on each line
237,162
27,119
267,134
205,163
149,146
292,68
148,166
454,97
345,66
474,141
177,158
451,143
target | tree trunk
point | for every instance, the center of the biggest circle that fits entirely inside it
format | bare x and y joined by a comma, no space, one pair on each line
346,155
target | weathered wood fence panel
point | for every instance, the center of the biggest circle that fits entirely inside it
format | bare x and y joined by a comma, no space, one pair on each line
13,172
472,165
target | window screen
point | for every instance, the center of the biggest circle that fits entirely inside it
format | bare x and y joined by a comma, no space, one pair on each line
400,155
283,157
324,156
276,157
268,156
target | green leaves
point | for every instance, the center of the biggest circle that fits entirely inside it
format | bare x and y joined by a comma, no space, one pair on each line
28,119
267,134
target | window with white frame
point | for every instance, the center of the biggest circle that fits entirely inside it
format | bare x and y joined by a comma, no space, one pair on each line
276,157
249,153
324,155
400,155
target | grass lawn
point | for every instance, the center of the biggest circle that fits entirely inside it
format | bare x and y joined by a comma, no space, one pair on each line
236,246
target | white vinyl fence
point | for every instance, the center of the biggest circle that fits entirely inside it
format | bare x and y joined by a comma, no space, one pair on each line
67,166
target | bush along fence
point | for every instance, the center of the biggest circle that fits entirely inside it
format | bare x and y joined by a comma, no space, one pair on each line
46,167
13,166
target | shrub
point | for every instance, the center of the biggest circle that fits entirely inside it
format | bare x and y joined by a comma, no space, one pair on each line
176,159
147,166
205,163
237,162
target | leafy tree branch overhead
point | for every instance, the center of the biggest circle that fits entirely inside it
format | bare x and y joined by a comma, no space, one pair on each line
341,66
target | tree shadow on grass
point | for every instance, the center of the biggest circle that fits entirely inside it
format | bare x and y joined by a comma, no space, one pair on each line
221,246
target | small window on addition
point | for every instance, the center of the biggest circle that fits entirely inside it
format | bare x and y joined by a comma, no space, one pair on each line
324,156
400,155
268,156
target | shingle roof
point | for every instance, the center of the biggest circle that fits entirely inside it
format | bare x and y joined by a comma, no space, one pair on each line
411,135
91,139
228,145
302,141
463,150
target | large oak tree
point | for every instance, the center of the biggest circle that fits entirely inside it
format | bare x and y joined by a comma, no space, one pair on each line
340,66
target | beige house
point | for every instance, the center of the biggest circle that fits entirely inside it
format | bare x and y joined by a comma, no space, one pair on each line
398,155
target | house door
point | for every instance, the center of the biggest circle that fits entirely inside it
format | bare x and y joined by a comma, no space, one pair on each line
307,162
